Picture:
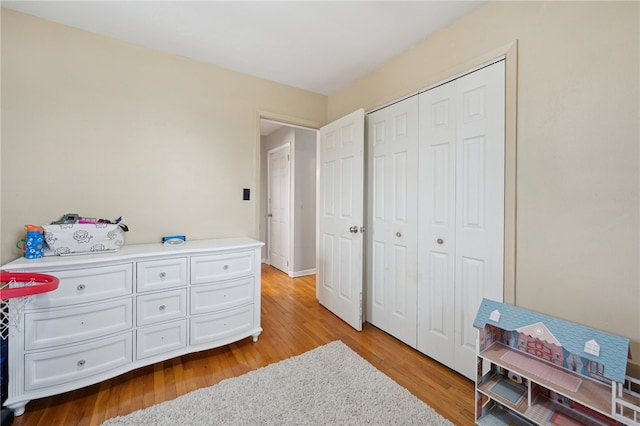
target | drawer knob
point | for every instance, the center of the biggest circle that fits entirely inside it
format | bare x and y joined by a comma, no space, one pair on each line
162,307
81,363
163,275
81,287
225,267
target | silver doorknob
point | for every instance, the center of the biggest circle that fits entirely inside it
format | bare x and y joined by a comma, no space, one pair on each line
398,234
439,241
353,229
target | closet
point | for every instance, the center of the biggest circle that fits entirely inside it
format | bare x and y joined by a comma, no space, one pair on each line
435,224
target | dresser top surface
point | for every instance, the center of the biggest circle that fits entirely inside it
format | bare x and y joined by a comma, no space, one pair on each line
134,252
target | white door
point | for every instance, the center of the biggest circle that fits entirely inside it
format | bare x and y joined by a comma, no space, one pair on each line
278,206
436,249
461,207
479,204
339,264
392,240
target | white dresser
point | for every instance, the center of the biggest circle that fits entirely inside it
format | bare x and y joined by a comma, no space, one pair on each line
115,312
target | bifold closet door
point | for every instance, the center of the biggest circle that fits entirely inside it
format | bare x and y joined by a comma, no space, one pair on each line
461,210
392,219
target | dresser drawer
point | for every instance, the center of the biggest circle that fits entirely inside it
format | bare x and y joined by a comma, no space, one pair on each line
158,339
161,274
87,285
224,295
71,325
221,326
217,267
164,306
50,368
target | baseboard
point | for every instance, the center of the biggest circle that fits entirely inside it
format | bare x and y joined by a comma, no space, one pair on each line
297,274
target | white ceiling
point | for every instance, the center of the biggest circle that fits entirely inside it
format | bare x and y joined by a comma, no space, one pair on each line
319,46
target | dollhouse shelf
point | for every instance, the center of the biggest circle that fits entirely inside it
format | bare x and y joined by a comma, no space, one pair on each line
524,376
590,393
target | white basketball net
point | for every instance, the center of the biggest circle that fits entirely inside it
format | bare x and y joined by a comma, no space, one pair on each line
10,323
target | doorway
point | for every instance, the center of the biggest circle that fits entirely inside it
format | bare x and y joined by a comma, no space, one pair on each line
292,249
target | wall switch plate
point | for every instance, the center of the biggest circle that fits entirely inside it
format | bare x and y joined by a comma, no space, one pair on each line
245,194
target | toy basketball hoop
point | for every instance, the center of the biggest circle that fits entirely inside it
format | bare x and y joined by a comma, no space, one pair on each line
15,289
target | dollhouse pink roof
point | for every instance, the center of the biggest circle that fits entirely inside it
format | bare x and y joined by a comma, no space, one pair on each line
572,337
539,331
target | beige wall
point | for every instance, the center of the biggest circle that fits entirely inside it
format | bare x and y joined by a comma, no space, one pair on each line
100,127
577,232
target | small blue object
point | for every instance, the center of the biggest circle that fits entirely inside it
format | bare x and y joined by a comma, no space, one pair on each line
174,237
34,245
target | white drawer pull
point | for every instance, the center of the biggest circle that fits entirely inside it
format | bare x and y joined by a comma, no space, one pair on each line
81,287
81,363
162,307
163,275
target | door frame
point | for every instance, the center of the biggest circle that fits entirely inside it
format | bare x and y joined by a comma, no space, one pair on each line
260,219
509,52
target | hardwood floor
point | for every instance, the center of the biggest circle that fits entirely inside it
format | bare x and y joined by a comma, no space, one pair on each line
293,323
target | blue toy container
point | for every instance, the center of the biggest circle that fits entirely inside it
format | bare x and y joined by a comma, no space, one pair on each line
34,242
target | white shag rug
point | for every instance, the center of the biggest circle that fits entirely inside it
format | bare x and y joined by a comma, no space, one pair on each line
326,386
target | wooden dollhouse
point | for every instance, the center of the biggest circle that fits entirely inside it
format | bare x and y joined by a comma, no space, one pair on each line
537,369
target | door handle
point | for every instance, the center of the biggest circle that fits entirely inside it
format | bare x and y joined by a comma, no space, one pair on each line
270,215
353,229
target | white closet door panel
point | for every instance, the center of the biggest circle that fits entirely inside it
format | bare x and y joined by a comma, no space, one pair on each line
401,307
479,203
400,188
441,171
379,209
436,248
439,320
393,168
376,290
470,286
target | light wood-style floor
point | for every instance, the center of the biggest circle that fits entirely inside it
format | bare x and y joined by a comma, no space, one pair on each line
293,323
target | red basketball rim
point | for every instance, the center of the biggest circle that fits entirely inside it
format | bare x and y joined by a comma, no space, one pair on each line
41,283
